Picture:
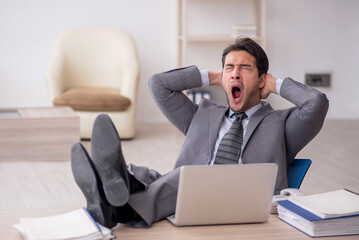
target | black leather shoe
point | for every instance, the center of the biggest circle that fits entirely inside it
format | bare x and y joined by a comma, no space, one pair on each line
86,178
109,162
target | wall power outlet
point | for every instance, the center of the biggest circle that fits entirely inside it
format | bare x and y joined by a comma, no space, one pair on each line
318,79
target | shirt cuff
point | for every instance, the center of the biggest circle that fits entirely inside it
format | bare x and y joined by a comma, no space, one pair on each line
204,77
278,83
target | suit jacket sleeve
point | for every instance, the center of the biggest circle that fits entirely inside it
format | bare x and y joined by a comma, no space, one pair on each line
166,89
305,120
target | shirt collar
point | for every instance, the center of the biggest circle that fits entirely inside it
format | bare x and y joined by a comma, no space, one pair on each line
250,111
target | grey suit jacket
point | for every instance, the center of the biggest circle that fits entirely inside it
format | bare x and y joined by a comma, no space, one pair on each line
271,136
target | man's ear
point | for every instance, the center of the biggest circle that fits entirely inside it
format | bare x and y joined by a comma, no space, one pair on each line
262,80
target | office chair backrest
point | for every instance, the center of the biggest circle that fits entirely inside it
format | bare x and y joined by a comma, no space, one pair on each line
297,171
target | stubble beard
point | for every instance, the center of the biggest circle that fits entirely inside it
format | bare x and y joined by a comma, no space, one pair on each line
247,104
242,108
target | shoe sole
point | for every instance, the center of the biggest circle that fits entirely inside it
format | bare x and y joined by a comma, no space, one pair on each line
85,178
109,162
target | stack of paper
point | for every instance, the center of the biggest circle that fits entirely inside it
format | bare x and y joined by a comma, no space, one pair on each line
74,225
326,214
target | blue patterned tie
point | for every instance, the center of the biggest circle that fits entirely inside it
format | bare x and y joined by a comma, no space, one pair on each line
229,150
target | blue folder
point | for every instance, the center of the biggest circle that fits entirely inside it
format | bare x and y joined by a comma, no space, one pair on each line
312,218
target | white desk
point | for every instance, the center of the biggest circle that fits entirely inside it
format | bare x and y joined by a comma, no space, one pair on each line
28,134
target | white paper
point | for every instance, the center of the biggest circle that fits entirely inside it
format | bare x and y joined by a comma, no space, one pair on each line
73,225
330,204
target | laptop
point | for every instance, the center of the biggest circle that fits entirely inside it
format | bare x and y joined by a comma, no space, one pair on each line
224,194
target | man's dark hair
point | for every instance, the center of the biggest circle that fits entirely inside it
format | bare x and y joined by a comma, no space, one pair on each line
252,48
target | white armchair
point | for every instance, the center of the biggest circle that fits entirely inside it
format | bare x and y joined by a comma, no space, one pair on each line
103,60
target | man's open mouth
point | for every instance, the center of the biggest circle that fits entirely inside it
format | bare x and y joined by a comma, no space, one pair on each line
236,93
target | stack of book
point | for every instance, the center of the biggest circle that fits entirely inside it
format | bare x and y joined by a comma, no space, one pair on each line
333,213
197,96
75,225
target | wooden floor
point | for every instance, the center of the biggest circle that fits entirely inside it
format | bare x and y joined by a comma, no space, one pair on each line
35,184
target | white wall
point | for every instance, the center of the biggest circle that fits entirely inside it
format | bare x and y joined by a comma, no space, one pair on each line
316,36
28,30
302,36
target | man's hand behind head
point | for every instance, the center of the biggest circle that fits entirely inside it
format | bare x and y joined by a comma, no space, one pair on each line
215,78
269,86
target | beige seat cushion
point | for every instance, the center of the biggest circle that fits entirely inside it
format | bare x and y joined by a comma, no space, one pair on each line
93,99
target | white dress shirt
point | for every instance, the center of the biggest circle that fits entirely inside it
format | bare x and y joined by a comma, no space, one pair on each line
230,116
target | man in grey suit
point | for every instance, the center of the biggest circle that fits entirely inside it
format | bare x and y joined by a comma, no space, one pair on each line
138,196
